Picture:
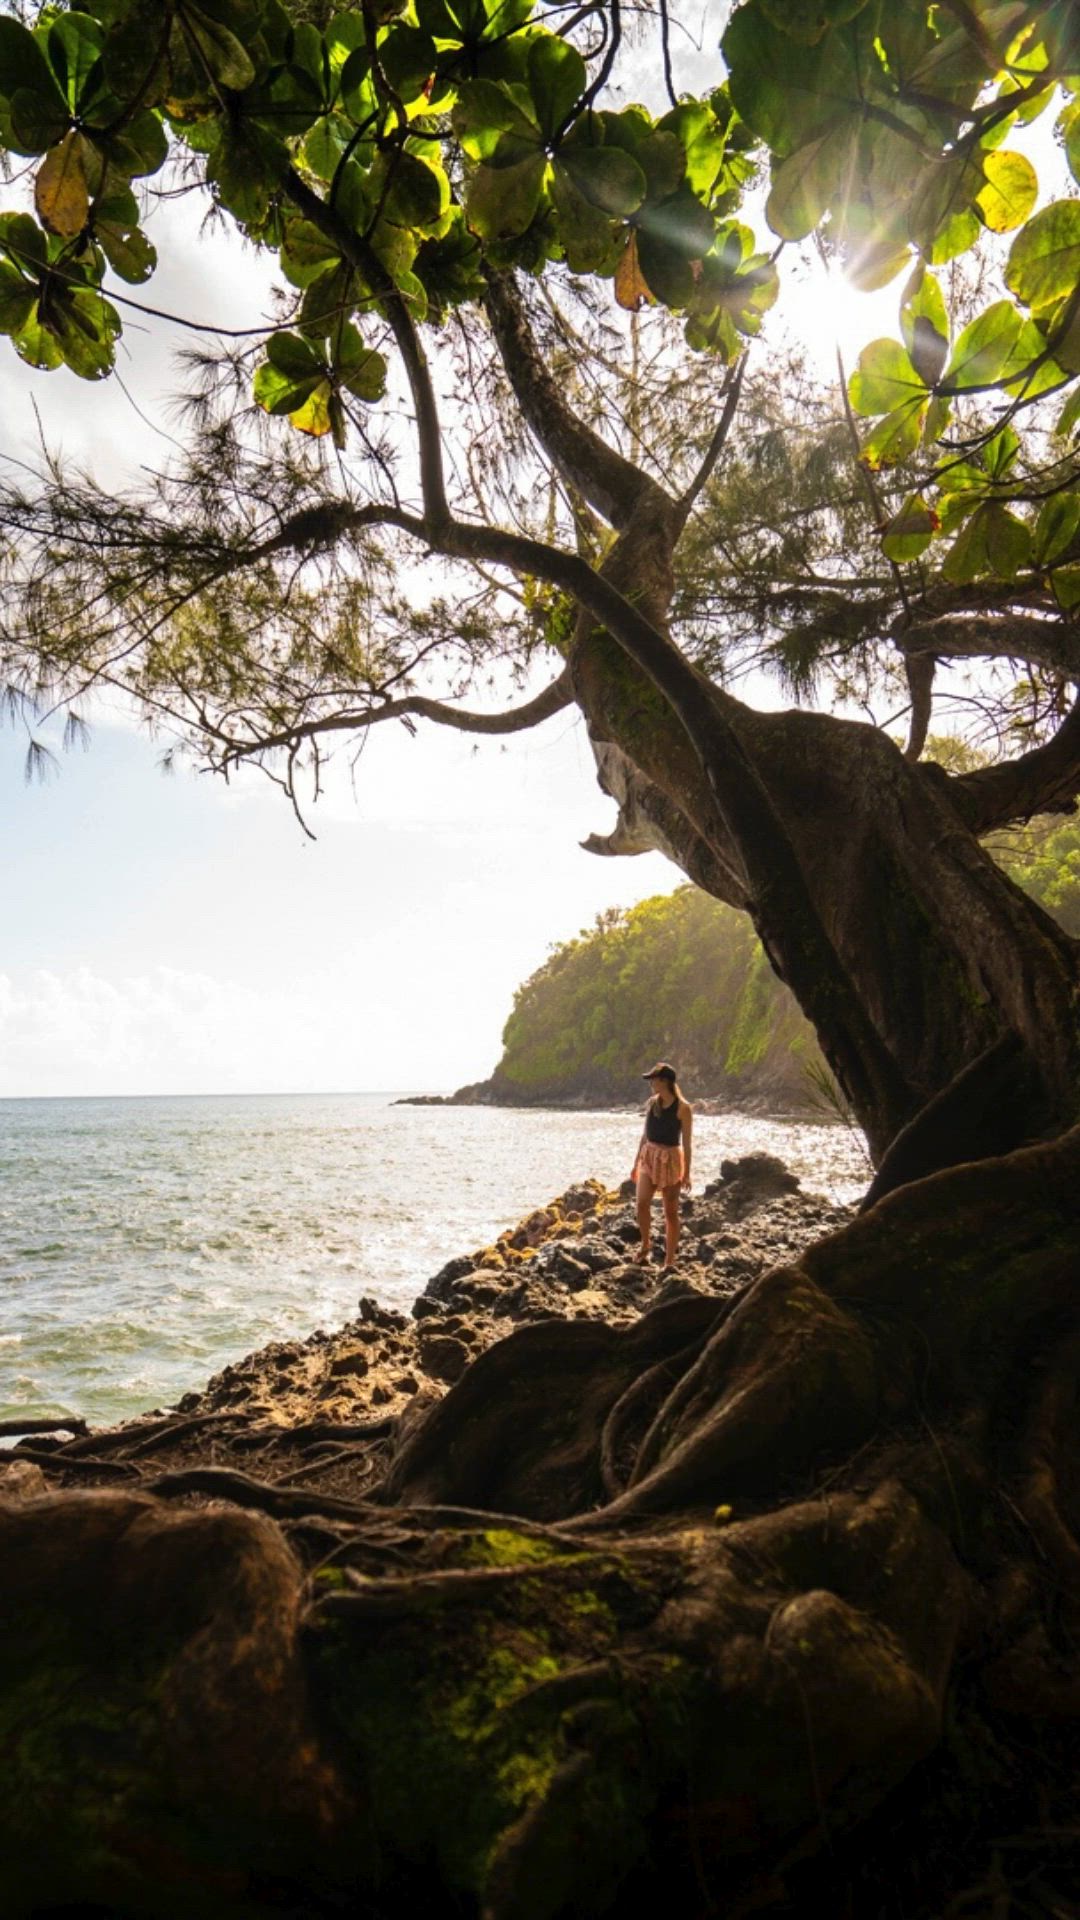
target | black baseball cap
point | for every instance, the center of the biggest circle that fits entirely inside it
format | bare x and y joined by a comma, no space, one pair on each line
661,1071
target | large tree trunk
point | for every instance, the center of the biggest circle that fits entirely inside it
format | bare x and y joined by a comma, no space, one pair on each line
944,999
667,1612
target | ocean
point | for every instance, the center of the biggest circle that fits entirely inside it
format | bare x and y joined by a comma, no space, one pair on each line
144,1243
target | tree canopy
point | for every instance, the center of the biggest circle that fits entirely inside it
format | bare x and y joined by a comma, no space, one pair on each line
404,164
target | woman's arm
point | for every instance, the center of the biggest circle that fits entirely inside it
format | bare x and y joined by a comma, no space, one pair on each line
686,1121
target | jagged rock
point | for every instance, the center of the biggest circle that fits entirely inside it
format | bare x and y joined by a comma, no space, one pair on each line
346,1363
444,1356
21,1480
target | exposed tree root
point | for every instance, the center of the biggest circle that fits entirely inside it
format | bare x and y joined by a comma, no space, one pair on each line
710,1602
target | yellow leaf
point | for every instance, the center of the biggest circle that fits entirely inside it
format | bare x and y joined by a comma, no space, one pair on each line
61,191
314,416
631,287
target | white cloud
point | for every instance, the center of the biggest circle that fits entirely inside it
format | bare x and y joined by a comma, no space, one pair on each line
135,1034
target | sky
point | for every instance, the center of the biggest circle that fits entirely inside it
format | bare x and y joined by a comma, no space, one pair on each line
171,934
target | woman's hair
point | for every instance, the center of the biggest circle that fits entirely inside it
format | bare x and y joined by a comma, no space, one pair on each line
676,1090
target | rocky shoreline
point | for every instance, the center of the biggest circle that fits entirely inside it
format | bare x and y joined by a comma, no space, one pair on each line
330,1411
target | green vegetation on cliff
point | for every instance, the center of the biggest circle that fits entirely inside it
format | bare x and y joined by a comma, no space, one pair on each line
685,976
681,974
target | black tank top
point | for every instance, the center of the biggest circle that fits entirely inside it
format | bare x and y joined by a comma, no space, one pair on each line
662,1125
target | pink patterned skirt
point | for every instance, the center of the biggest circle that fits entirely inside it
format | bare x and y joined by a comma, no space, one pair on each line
662,1165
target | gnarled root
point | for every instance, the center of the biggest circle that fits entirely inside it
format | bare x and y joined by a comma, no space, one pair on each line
744,1556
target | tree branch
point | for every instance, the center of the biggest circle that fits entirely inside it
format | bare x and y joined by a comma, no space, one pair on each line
732,393
553,699
1046,780
356,250
920,669
1016,636
610,483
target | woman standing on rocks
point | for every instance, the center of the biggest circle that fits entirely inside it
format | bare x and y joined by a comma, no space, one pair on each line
663,1158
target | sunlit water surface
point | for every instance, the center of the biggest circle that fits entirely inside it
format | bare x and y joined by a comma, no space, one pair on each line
146,1242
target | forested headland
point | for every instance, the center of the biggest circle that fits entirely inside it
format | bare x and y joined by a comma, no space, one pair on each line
685,976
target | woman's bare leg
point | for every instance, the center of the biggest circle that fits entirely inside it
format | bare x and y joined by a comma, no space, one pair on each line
670,1197
645,1191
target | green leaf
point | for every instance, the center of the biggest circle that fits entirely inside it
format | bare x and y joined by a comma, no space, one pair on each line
896,437
407,57
993,543
1033,371
325,144
449,267
940,216
35,344
294,357
938,416
957,236
603,177
74,44
660,156
665,270
226,60
84,326
22,239
924,324
556,81
872,265
1069,417
329,300
1010,192
306,253
140,148
681,224
885,379
22,61
244,168
356,89
737,281
1056,528
1044,261
999,454
127,249
803,184
416,194
1066,584
38,120
591,242
1068,128
701,138
18,298
502,201
276,393
132,55
345,32
809,20
986,349
785,92
909,532
358,367
484,112
961,475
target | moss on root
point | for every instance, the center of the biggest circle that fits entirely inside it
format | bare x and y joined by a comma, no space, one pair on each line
467,1718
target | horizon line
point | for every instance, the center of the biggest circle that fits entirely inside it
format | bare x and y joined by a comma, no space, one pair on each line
262,1093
